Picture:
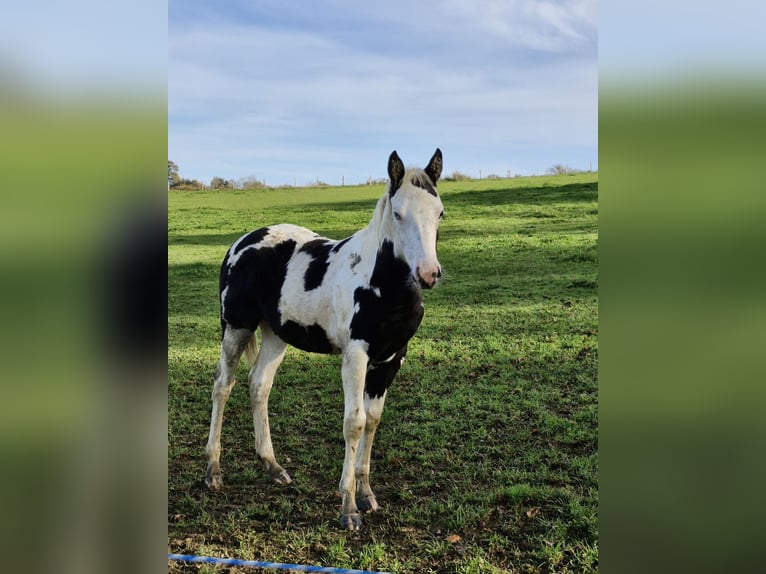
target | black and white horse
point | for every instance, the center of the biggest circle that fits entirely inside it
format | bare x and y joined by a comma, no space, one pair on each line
360,297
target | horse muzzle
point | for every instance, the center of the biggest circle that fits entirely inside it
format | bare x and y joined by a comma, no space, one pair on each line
428,275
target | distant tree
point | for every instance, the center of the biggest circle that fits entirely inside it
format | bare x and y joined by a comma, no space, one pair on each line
250,182
221,183
561,169
457,176
173,177
189,184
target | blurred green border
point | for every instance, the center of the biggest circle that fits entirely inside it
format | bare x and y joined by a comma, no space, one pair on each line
682,322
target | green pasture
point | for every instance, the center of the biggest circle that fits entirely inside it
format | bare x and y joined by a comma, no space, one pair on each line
486,457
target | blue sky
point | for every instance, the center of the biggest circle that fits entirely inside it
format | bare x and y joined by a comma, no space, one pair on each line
656,42
85,48
291,91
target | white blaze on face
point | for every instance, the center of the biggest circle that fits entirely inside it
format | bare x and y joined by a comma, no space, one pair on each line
416,222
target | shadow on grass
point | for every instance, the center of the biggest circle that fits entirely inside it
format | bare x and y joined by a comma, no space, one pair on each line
225,240
538,196
536,273
569,193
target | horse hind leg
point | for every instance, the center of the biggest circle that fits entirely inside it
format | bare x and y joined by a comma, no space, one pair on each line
261,379
233,344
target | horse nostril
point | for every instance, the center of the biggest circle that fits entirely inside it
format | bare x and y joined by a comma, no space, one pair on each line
426,278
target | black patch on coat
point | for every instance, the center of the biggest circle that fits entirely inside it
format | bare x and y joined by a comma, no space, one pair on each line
319,249
252,238
355,260
254,285
381,375
340,244
389,321
312,338
424,182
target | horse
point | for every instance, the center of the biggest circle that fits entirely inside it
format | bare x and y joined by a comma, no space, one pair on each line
360,297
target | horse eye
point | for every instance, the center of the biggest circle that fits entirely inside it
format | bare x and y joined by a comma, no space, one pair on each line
397,216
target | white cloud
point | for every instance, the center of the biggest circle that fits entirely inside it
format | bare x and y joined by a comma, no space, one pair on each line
548,26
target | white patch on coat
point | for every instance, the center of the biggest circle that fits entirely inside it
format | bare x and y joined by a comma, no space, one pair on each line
276,235
223,298
330,305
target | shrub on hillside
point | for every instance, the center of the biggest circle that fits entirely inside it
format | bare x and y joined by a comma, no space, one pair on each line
457,176
562,169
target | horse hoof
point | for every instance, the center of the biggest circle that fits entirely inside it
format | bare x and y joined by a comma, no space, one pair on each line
351,521
367,504
214,480
282,478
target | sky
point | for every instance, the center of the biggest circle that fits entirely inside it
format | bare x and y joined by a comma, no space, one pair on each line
83,48
290,92
294,91
662,42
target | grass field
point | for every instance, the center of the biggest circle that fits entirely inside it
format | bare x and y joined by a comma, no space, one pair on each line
486,457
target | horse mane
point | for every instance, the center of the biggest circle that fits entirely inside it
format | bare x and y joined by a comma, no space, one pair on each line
376,223
419,178
415,176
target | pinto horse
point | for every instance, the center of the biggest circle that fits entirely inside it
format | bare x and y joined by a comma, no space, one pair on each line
359,297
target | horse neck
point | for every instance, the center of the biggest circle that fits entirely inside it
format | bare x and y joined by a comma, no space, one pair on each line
379,228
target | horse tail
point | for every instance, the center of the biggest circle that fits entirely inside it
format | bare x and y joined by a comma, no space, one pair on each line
251,351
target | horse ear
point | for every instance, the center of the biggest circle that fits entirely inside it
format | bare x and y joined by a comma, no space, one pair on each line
395,171
434,167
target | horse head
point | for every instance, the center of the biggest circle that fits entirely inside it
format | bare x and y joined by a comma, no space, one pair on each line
413,216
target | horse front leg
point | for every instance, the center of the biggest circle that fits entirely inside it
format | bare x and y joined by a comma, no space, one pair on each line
379,377
354,418
365,497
